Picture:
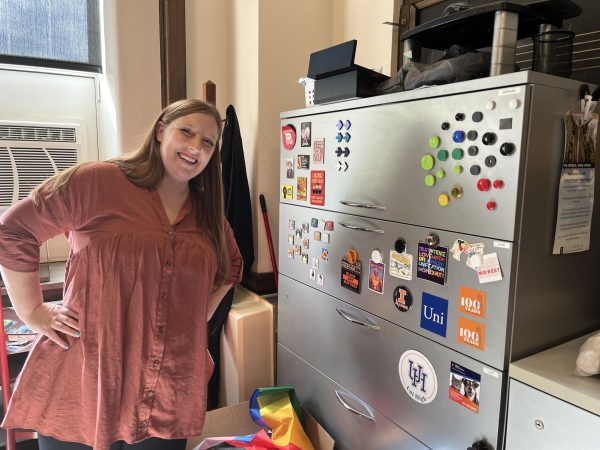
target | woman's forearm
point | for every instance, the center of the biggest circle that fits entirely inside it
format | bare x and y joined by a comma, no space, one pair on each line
23,289
215,298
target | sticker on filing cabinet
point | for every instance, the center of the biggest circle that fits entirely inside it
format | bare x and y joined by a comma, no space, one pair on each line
403,299
351,271
313,274
500,244
320,279
376,256
471,333
471,301
315,263
432,264
290,252
464,387
289,168
305,227
301,192
287,192
297,250
509,91
490,269
324,254
401,265
319,151
490,372
474,252
303,162
291,238
305,132
322,224
329,225
291,224
434,311
313,223
305,242
317,235
326,237
376,276
305,258
288,136
299,233
417,376
317,187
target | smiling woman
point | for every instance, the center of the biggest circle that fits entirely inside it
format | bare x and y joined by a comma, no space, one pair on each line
124,359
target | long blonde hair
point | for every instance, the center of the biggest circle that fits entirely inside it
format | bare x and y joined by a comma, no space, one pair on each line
144,168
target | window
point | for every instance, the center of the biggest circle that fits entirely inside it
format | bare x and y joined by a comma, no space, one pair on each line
51,33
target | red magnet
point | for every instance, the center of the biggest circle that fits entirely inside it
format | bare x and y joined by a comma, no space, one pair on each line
288,136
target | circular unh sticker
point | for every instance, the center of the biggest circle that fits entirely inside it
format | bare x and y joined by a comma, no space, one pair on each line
417,376
402,298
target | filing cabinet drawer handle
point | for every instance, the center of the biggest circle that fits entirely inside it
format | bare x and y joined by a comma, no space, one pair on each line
362,205
356,227
368,415
346,316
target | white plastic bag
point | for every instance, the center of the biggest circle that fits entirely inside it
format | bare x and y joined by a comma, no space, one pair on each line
588,361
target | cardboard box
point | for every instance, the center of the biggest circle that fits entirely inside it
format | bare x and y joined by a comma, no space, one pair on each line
235,421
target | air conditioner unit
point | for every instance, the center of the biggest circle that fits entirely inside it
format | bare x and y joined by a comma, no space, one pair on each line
30,153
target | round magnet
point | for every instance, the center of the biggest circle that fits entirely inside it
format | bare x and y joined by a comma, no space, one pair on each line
475,260
288,136
400,245
403,299
376,256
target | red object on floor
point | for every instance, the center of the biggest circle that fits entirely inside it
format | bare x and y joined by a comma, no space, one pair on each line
263,207
11,435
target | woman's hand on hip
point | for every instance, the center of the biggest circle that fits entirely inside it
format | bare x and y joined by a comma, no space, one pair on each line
49,319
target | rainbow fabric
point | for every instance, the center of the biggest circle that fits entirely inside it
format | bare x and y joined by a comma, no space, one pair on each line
277,411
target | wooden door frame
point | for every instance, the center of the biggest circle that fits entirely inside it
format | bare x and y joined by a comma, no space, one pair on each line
172,51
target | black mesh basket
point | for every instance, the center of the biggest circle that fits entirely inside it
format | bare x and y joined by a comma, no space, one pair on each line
553,52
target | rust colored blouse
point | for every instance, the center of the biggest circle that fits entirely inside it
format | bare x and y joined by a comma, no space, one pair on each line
140,286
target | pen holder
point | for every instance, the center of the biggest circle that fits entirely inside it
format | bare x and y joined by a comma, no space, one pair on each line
553,52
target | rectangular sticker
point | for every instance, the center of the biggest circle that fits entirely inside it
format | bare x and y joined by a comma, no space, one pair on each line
434,311
471,333
432,264
287,192
351,275
489,270
471,301
301,192
465,387
401,265
319,151
317,187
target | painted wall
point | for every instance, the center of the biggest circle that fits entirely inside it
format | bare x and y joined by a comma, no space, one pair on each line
255,51
130,83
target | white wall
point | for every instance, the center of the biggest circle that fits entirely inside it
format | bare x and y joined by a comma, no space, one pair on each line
255,51
130,83
363,21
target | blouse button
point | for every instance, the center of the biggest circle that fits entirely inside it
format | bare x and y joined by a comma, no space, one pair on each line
168,263
161,329
163,295
170,233
143,424
156,363
149,394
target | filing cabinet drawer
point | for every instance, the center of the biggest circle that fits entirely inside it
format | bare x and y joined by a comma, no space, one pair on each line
352,423
539,421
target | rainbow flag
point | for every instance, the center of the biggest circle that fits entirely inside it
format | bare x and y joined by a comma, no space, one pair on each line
277,411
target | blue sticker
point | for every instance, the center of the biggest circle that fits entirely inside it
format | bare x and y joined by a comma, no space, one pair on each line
434,312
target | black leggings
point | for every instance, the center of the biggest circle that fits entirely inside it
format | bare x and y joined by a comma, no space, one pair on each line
49,443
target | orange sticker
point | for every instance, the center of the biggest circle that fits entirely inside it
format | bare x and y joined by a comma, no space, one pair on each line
471,333
472,301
